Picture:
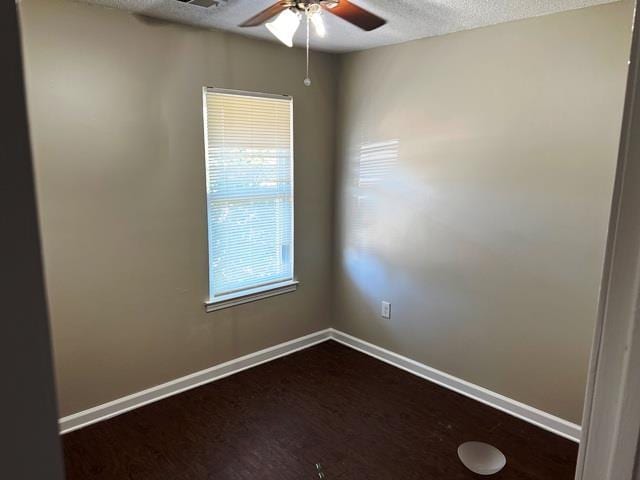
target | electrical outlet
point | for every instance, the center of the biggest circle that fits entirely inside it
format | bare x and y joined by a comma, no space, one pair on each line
386,310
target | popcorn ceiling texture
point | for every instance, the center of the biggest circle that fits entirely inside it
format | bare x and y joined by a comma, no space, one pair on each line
407,19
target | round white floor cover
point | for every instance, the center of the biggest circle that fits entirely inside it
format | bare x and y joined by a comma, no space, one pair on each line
481,458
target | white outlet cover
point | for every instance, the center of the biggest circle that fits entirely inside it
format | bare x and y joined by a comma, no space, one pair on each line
481,458
385,310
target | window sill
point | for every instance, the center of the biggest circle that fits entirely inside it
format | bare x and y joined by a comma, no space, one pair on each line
248,296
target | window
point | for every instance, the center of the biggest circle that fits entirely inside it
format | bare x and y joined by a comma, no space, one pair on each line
249,165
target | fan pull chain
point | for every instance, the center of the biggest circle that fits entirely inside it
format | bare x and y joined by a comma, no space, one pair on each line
307,80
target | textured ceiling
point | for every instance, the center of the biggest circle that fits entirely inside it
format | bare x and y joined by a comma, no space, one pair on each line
407,19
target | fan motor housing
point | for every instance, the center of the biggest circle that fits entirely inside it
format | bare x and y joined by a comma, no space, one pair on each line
306,4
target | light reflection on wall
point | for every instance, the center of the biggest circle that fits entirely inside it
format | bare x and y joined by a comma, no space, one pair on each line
374,167
371,175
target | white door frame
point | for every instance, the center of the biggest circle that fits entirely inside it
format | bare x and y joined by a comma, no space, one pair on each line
611,421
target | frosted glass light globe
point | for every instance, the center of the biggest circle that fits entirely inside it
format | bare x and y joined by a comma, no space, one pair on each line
481,458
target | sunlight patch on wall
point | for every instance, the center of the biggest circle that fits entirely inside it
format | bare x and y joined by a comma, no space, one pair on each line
374,166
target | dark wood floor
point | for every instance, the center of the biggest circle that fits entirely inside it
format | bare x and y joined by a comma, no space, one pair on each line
358,417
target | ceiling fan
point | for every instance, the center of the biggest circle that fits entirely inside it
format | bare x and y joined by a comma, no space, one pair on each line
289,13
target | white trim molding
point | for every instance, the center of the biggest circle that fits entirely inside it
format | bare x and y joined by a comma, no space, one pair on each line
153,394
610,449
251,295
520,410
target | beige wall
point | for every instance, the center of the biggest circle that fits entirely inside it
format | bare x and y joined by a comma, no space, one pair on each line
476,172
116,118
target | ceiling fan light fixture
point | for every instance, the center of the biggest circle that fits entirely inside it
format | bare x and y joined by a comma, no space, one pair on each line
284,16
318,24
284,26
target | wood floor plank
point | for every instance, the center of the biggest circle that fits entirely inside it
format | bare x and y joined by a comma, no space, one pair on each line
356,416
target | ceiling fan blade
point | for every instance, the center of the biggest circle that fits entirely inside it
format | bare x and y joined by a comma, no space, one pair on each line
357,15
266,14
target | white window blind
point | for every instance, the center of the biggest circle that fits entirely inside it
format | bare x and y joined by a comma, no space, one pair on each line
249,164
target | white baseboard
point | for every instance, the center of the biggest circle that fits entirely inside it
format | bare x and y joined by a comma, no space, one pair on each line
517,409
153,394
